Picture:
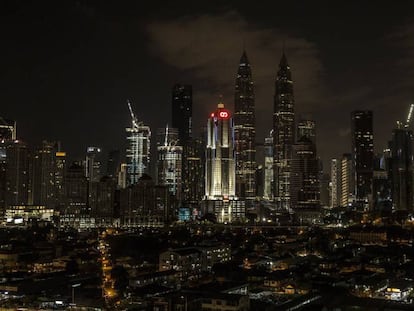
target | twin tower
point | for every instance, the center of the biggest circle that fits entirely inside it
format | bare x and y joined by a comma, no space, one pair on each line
230,176
231,166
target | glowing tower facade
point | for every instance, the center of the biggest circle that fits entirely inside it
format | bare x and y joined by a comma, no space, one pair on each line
283,135
220,177
138,150
220,156
244,130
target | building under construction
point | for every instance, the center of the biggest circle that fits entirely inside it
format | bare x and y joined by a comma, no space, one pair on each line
138,149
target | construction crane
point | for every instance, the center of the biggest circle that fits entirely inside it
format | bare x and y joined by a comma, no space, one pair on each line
133,117
410,113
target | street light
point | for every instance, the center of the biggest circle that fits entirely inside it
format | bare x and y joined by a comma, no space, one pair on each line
73,291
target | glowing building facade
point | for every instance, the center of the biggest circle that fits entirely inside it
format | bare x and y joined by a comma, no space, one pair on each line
335,184
220,155
220,186
346,180
244,131
283,135
138,150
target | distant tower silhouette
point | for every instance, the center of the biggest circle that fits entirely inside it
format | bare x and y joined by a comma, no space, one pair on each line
182,111
363,153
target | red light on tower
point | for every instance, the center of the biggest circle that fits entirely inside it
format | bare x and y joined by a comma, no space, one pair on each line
223,114
212,115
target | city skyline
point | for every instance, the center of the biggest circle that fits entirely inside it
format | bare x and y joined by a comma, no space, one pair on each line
206,155
81,75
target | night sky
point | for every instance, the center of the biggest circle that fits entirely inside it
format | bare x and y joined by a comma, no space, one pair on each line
68,67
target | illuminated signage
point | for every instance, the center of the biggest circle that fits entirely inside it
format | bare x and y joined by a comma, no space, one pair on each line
61,154
224,114
221,114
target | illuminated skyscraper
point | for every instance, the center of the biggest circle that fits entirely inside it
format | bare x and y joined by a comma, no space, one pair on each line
268,167
220,155
169,164
283,134
93,164
305,191
244,131
220,174
138,150
335,183
182,111
7,136
362,154
60,171
347,184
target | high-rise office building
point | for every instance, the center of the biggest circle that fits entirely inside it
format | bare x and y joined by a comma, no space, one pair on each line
362,154
346,180
169,164
43,175
102,201
60,175
7,136
283,134
305,192
138,150
401,168
182,111
145,204
2,176
193,172
113,163
220,155
93,164
324,185
17,174
245,131
76,212
122,176
335,183
268,168
382,182
220,177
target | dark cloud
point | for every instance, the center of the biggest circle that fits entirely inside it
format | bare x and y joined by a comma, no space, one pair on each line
208,47
371,75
